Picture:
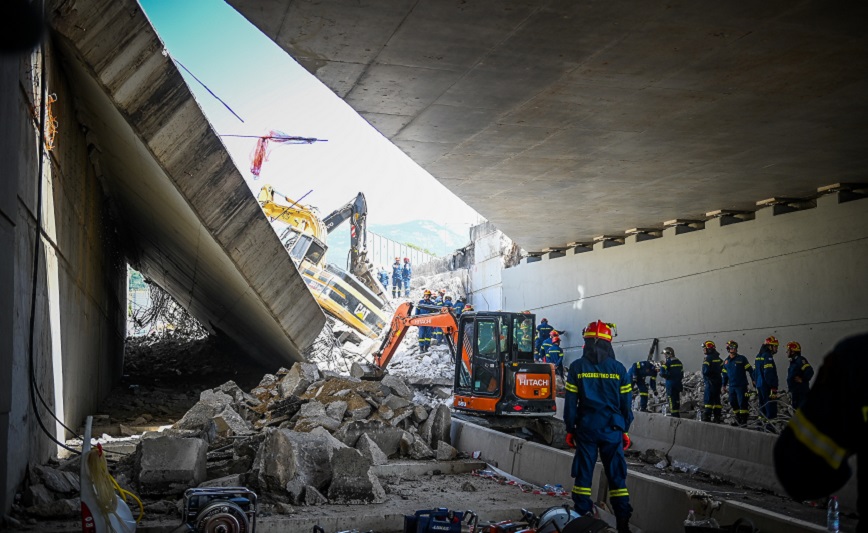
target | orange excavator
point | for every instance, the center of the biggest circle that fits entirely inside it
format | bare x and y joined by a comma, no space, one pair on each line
496,381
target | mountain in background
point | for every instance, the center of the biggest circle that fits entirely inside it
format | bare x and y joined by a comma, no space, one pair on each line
424,234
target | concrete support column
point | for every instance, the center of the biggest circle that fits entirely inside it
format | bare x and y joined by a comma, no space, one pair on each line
9,139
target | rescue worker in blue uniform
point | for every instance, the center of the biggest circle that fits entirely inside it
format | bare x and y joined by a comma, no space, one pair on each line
638,374
555,354
397,282
384,278
672,370
597,415
424,331
437,333
458,306
736,369
545,345
406,274
812,454
799,374
712,371
543,330
767,379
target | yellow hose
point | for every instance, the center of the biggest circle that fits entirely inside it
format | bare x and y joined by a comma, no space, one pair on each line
104,485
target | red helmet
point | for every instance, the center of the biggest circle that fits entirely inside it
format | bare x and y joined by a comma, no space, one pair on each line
599,330
406,259
556,339
709,345
794,346
468,307
771,341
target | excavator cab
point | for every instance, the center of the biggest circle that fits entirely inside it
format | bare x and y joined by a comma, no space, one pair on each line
495,372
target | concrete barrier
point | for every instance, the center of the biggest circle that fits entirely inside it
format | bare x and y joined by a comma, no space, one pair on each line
659,505
740,455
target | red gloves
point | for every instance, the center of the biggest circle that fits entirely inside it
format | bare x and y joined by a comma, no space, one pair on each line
627,441
571,441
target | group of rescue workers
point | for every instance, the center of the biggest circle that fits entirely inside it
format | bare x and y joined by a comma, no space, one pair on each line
401,274
429,303
811,455
730,376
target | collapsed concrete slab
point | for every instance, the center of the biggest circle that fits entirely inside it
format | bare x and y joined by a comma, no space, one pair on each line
170,465
354,482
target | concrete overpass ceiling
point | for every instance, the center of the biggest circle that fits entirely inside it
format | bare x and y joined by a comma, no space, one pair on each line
560,121
187,216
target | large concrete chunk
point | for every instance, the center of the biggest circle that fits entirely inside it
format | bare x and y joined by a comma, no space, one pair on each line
371,451
298,379
169,465
436,427
288,461
386,437
398,386
353,481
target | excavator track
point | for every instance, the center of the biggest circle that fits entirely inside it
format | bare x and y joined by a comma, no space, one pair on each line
547,430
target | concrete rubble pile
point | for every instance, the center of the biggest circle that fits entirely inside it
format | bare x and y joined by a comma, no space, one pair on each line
301,437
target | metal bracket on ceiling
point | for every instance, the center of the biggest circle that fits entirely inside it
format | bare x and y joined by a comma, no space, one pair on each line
782,205
846,192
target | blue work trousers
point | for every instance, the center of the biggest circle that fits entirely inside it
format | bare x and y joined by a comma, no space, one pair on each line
425,337
642,385
738,401
713,407
768,407
674,397
612,455
396,287
406,282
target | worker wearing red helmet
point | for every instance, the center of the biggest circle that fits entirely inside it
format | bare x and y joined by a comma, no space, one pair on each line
397,279
555,354
406,274
597,415
423,308
799,374
712,374
766,378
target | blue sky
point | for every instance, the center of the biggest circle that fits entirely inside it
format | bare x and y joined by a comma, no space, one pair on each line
269,90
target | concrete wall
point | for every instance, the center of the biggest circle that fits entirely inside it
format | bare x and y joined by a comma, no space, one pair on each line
80,302
485,274
798,276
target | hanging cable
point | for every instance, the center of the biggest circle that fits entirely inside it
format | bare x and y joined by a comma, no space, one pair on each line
34,390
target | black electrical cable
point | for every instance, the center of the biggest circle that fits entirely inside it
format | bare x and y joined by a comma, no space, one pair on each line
34,391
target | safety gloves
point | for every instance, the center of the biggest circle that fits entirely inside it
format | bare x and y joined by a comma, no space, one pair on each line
627,441
571,441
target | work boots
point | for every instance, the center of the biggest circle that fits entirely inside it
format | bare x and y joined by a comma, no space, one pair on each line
623,525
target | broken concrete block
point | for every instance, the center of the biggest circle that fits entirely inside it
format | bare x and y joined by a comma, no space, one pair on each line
306,425
169,465
371,451
311,409
57,509
229,422
652,456
438,426
288,461
398,386
200,416
419,450
405,443
38,495
298,379
314,497
354,482
385,413
395,402
337,409
56,480
445,452
386,437
420,414
468,487
442,392
287,407
232,480
400,415
231,389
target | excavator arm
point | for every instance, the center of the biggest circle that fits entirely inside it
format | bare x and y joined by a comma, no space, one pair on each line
404,319
301,217
356,211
